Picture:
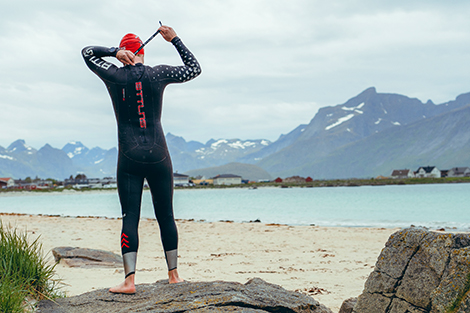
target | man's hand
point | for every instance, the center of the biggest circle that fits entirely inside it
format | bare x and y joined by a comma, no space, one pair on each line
126,57
167,33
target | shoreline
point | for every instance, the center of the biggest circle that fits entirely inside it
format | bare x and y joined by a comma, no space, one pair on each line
353,182
451,229
329,263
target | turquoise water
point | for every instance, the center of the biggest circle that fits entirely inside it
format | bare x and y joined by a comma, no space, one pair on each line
439,205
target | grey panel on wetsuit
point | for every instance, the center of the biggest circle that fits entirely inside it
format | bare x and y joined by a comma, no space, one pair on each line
129,259
172,259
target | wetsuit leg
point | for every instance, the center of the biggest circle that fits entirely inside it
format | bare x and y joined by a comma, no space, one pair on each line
160,180
130,186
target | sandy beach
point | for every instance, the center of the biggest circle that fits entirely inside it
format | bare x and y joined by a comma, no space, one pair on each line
331,264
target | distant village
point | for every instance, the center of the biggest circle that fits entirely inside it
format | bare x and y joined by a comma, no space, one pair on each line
181,180
431,172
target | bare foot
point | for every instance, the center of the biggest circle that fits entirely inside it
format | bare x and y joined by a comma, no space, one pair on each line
127,286
173,277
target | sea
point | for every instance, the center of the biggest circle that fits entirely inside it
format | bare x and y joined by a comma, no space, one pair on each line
432,205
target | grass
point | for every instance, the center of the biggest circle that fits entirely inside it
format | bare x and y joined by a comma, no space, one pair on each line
458,301
25,274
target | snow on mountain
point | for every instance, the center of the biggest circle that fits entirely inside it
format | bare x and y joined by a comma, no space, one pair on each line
94,162
6,157
20,146
355,109
194,155
235,147
340,121
74,148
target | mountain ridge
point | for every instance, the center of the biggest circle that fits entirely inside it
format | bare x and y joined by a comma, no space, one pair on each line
375,130
358,118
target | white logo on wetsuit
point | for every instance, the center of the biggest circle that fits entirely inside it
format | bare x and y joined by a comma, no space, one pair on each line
88,52
100,63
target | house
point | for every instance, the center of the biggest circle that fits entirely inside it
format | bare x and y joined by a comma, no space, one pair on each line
459,172
278,180
25,184
294,179
79,182
227,179
428,171
43,183
309,179
7,182
402,174
203,181
180,179
109,182
95,183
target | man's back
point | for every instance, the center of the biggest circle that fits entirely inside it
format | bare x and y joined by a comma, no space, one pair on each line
137,96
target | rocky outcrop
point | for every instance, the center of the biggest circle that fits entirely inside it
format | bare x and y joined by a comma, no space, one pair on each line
348,305
419,271
254,296
84,257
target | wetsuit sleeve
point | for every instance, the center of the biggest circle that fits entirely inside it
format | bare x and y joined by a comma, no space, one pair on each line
93,59
179,74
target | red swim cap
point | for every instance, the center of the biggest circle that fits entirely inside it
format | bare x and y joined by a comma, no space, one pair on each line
131,42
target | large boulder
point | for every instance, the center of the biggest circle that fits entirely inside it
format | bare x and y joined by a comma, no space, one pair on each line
419,271
348,305
254,296
84,257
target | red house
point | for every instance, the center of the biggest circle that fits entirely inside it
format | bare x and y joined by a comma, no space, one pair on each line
278,180
308,179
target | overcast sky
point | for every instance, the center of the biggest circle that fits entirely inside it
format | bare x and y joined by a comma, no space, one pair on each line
267,65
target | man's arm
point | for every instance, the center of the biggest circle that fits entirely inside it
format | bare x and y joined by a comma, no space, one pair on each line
93,59
191,68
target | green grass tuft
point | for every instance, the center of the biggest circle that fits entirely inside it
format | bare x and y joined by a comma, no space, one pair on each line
24,271
458,301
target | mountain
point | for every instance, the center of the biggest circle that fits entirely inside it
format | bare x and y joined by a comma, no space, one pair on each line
20,160
334,130
53,162
193,155
13,159
95,162
442,141
246,171
282,142
370,134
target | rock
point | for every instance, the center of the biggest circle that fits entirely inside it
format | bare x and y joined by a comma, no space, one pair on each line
219,296
419,271
348,305
83,257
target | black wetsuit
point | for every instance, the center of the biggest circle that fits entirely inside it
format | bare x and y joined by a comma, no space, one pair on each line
136,93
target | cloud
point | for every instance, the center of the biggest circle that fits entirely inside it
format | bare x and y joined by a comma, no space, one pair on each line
267,65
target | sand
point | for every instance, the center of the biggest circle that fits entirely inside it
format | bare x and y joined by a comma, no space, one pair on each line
331,264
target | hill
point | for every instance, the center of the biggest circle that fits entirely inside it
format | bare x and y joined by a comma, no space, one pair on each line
246,171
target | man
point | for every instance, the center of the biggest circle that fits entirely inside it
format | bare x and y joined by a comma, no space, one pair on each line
136,92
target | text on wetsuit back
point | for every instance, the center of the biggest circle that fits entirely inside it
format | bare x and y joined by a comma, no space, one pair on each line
140,101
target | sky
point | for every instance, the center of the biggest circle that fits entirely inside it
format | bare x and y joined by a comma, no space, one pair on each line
267,65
